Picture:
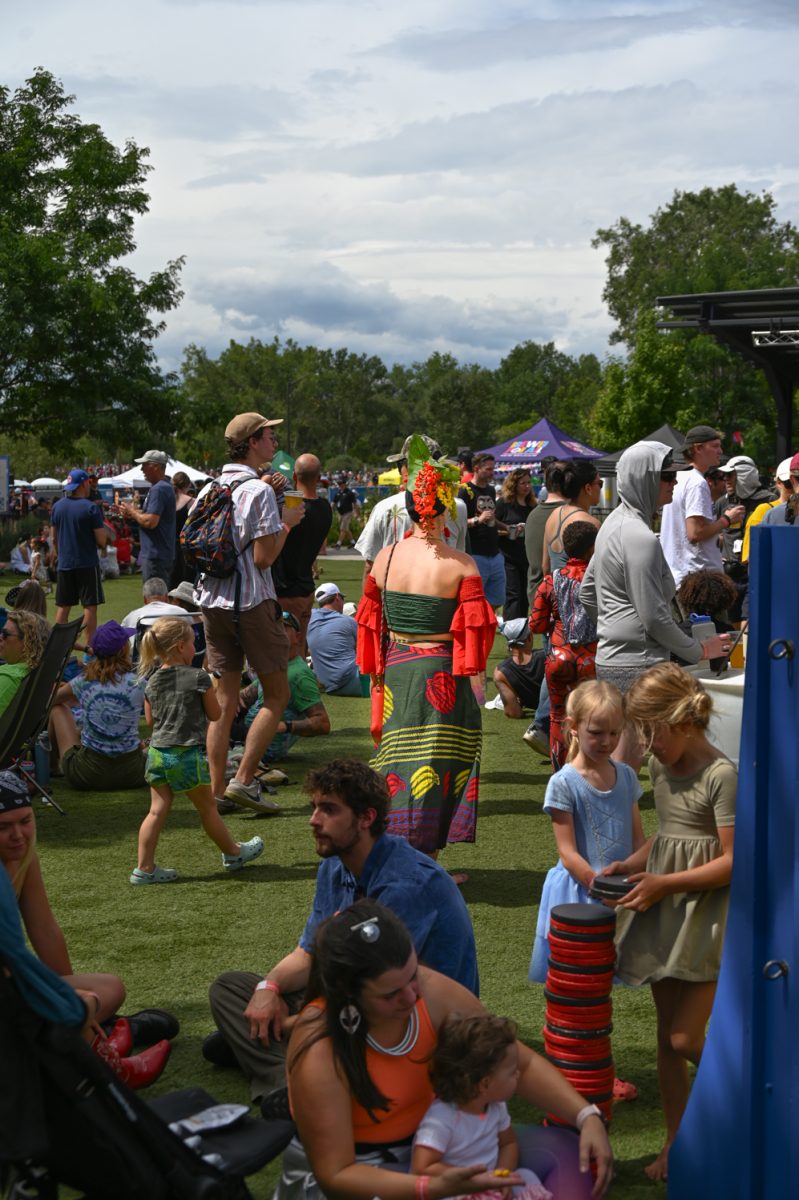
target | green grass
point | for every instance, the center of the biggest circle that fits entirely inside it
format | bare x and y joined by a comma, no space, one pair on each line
168,943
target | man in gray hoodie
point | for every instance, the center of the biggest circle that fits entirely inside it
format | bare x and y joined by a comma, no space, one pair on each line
628,587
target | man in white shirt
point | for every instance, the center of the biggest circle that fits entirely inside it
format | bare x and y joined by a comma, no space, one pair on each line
253,626
689,529
389,521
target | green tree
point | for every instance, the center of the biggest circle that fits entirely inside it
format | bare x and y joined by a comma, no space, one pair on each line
76,326
715,240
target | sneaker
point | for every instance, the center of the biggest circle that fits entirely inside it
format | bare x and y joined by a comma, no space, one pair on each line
249,795
273,777
536,739
217,1050
225,807
157,875
275,1105
495,703
247,852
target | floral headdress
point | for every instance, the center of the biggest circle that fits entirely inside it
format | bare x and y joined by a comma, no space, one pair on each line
432,485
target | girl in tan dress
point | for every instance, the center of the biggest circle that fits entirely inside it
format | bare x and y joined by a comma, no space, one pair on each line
671,925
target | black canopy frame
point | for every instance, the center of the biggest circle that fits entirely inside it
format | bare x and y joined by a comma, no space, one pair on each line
762,326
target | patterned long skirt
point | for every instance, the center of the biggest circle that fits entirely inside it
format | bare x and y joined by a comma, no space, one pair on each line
430,748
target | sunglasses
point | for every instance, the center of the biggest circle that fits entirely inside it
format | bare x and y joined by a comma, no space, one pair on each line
668,476
5,634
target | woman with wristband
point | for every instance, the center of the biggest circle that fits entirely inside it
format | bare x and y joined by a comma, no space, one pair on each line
359,1083
102,994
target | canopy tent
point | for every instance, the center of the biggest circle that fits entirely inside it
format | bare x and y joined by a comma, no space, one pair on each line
540,441
134,477
666,433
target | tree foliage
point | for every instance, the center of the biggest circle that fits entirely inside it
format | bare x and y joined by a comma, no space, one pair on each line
76,326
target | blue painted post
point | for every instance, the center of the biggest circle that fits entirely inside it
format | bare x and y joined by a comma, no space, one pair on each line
739,1138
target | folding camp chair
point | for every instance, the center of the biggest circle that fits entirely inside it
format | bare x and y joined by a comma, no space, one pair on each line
27,714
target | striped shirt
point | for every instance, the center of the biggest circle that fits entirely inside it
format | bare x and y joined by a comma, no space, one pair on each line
255,513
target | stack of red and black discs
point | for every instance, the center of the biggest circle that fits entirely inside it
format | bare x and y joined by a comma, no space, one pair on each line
582,960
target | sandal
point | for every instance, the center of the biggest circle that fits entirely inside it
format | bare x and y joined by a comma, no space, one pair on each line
157,875
623,1090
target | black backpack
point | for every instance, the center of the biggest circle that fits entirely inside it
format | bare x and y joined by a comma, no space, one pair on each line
207,539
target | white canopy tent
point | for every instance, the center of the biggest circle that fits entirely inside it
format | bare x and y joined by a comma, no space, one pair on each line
134,477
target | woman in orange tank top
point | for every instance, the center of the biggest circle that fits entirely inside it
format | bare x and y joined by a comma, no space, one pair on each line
359,1084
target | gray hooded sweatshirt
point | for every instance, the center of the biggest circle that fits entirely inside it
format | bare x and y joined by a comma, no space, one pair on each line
628,587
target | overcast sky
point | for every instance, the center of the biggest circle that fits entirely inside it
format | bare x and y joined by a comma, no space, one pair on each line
400,178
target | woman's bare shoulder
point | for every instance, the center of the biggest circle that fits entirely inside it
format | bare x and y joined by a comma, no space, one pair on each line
443,995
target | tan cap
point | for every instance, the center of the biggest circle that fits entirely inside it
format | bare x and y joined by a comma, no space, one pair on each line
246,425
432,446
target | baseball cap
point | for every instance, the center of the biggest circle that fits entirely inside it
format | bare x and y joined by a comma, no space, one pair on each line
154,456
109,638
13,793
246,425
701,433
327,591
75,479
432,446
795,464
738,460
516,631
783,472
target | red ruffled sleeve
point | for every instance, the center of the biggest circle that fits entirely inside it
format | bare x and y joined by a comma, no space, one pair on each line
369,651
473,628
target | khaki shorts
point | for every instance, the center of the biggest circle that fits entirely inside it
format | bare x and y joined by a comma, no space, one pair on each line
263,639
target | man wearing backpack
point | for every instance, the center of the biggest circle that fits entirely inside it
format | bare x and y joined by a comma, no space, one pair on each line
240,612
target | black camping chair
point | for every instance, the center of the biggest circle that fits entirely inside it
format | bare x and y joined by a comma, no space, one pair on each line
67,1119
27,714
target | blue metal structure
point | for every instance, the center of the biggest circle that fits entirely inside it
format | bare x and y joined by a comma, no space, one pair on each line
738,1139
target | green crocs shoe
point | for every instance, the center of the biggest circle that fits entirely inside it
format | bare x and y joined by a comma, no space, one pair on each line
157,875
247,852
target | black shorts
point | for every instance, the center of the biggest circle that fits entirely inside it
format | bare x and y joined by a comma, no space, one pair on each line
82,586
526,681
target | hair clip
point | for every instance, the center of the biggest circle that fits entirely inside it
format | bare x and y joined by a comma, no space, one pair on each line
368,929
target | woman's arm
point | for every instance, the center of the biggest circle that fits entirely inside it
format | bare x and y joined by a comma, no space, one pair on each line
148,712
44,932
64,695
715,874
577,866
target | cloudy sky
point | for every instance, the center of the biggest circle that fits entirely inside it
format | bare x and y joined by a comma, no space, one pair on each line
400,178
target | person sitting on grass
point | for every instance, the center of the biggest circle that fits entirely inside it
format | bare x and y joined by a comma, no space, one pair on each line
518,678
22,642
28,596
305,715
349,811
106,754
178,700
102,993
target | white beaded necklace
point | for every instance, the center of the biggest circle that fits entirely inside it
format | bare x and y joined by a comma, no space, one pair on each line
402,1047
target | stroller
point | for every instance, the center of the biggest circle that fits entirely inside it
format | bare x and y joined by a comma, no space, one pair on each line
65,1118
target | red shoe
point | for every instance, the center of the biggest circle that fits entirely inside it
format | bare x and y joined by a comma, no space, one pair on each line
143,1069
121,1037
139,1071
624,1090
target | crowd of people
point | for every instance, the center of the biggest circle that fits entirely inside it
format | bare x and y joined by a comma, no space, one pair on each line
369,1032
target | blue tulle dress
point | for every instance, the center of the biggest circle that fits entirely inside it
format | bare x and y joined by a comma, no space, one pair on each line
603,832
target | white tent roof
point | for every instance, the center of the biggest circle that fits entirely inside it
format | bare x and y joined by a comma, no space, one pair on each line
134,477
47,481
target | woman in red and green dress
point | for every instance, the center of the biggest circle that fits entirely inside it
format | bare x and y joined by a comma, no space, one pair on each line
424,628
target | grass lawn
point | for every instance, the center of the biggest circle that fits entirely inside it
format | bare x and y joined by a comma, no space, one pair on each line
169,942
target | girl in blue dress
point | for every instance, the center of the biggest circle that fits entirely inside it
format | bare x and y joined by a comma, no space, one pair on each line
593,803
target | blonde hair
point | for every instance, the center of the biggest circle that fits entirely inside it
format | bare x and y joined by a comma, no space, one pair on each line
667,695
34,632
162,639
589,698
107,669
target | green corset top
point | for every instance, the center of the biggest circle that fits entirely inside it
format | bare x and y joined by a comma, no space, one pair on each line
412,613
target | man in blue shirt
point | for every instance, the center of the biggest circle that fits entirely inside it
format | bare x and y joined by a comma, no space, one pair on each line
350,804
332,638
156,518
76,532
